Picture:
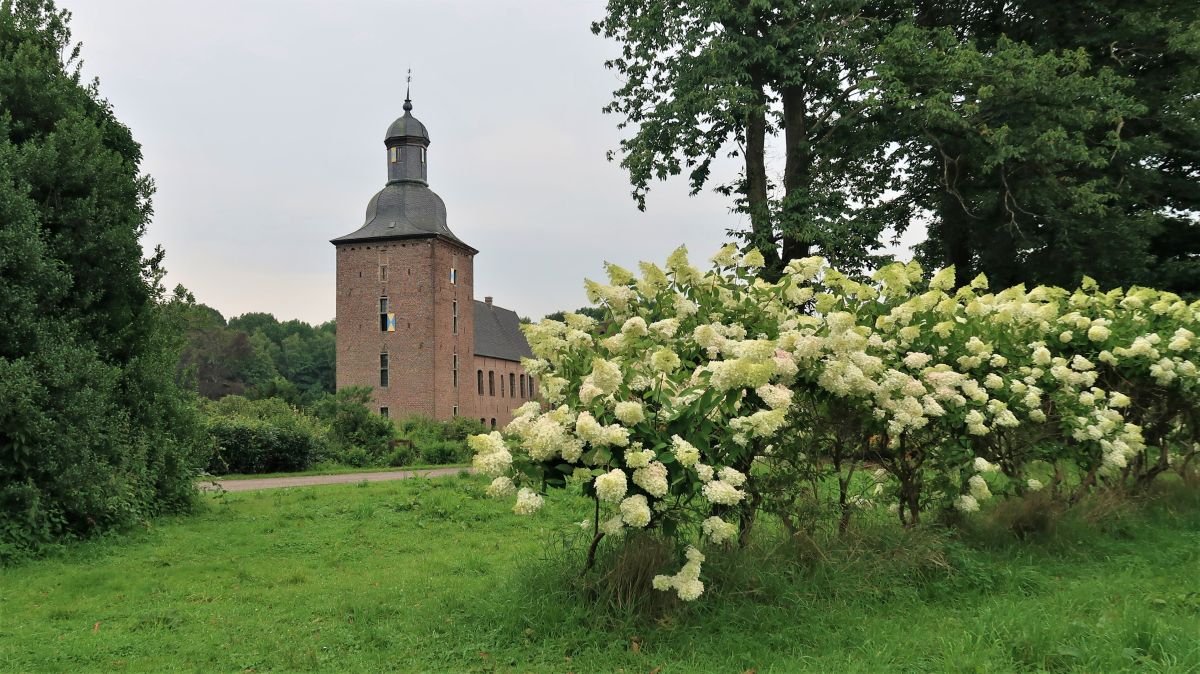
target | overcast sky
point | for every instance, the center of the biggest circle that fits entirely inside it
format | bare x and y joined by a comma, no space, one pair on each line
262,124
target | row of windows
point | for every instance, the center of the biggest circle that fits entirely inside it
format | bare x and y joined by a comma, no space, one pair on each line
512,383
512,379
383,412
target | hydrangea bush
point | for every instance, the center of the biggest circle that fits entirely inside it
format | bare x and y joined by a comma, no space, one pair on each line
704,398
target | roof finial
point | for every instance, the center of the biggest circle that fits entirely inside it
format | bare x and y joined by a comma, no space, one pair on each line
407,90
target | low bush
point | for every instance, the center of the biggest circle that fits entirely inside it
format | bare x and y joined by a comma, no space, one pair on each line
444,451
270,435
358,436
262,436
439,442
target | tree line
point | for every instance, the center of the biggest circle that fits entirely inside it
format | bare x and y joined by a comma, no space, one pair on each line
254,354
1036,141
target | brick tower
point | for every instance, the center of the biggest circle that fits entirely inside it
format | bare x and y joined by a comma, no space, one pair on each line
405,309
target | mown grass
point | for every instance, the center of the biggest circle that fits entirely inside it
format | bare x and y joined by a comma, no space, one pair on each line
428,575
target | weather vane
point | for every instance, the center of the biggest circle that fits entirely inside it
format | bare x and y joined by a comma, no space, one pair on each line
407,91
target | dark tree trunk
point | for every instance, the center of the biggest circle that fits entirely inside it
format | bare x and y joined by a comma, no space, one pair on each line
955,229
762,230
797,173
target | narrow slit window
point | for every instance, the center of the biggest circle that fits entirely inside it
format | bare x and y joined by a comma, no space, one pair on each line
522,386
454,318
394,155
383,314
383,370
512,385
491,382
453,276
454,371
479,376
383,273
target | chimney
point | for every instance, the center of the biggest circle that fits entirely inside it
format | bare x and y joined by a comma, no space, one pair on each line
488,300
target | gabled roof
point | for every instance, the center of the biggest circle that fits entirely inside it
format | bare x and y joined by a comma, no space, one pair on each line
498,333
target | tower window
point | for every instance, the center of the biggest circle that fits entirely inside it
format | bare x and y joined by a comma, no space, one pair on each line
454,320
394,154
491,382
512,385
522,386
383,314
383,370
479,377
422,156
453,276
454,411
383,412
454,371
383,273
493,423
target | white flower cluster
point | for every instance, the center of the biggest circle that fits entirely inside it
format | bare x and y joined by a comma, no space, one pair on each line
686,583
662,407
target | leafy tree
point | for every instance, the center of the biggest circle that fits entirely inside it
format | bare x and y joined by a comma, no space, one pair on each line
703,74
255,355
1038,141
1005,144
94,432
1052,140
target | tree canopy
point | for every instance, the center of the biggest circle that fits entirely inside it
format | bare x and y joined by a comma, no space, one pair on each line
253,354
93,431
1038,142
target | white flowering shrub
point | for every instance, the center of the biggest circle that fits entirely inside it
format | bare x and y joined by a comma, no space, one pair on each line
660,410
703,398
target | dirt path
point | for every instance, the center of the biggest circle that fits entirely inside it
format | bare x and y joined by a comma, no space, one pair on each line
344,478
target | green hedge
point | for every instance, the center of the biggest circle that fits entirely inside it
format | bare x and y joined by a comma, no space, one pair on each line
255,446
263,436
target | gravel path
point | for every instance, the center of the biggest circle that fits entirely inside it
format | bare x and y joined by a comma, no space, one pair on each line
344,478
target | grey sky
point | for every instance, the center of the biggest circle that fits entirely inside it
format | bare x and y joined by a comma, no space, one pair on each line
262,124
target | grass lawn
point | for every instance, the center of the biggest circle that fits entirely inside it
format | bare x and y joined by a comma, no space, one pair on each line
339,469
428,575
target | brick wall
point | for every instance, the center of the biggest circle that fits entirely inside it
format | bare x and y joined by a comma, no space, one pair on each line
421,352
499,403
411,284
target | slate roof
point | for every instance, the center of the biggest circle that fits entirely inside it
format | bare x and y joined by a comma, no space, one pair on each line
498,333
403,210
407,126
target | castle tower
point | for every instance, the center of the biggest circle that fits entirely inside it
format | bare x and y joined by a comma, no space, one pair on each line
405,309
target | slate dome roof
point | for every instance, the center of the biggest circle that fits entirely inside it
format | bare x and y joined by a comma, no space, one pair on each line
407,126
400,210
